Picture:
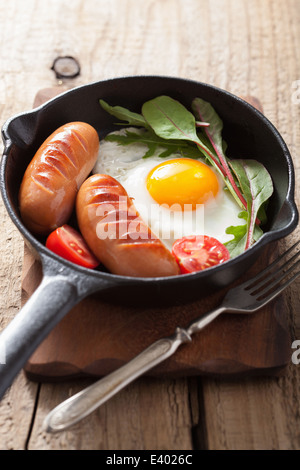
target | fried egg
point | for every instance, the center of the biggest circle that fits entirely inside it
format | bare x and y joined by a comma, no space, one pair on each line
176,196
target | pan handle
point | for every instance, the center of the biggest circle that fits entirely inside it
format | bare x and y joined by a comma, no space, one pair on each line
60,289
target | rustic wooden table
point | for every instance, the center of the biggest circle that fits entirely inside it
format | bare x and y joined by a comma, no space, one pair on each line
249,47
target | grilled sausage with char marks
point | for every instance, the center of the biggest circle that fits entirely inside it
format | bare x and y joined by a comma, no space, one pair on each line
52,179
116,233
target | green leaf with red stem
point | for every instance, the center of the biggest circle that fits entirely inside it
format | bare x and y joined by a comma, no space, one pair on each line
236,245
205,112
169,119
256,184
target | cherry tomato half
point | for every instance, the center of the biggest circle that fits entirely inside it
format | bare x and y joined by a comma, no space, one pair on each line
66,242
198,252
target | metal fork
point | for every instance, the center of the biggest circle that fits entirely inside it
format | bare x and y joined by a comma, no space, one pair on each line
248,297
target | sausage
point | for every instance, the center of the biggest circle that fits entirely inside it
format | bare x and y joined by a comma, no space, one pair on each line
51,181
116,233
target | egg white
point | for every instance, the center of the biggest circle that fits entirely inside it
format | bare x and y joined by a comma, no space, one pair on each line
126,165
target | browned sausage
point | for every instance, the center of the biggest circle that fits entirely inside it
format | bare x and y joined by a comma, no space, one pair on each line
54,175
115,232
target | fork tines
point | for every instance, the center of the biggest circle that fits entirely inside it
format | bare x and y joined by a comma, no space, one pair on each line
268,282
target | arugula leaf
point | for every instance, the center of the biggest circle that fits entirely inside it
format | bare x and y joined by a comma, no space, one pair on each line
257,186
162,148
129,117
236,246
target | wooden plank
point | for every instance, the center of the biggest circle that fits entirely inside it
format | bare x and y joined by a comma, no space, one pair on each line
27,60
17,405
264,413
245,47
149,414
244,411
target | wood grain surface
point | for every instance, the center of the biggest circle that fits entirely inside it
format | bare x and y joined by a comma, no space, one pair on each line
247,47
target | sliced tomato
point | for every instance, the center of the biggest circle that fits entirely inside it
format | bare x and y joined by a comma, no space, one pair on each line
66,242
198,252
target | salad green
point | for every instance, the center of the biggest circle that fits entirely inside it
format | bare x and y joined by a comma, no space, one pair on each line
170,126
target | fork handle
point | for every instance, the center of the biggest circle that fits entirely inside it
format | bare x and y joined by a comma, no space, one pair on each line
83,403
206,319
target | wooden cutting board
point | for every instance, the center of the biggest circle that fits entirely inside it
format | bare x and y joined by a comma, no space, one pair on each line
96,336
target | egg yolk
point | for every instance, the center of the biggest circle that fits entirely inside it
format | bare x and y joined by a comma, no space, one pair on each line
182,181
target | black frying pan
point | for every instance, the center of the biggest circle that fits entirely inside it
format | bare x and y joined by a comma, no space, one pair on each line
248,134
